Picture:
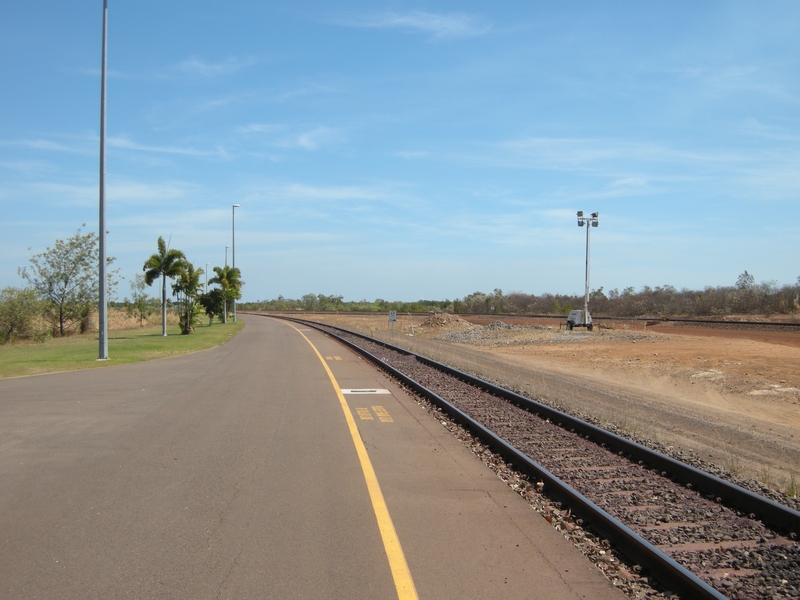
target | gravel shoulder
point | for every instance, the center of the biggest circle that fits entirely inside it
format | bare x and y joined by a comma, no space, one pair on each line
730,399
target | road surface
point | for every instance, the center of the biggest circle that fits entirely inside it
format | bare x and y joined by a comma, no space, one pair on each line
237,473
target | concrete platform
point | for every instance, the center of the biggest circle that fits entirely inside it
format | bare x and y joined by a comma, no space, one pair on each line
232,473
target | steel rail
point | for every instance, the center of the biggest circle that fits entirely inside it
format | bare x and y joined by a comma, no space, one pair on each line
669,572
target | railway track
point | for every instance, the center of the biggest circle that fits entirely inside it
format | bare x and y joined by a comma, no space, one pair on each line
697,535
652,320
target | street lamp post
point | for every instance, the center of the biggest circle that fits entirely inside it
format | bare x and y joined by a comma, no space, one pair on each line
225,293
591,221
233,248
102,307
206,278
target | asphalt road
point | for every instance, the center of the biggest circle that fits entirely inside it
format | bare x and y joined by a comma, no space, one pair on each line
231,473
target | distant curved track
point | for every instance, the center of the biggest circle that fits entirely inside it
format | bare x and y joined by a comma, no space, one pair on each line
509,318
698,535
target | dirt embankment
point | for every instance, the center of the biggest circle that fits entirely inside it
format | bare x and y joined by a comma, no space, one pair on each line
730,396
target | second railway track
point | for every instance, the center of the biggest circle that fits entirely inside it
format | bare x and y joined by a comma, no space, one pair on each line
697,535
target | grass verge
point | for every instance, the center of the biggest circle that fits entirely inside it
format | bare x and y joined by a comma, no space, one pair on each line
127,346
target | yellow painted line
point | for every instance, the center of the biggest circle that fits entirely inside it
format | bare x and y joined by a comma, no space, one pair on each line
337,358
383,414
364,414
328,357
403,582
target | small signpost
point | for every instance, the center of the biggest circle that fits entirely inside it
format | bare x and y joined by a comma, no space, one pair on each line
392,320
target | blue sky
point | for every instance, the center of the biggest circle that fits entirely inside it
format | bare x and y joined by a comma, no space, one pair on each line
410,150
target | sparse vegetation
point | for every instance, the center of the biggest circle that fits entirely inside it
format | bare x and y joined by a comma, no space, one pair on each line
140,306
64,278
732,464
323,303
745,297
765,476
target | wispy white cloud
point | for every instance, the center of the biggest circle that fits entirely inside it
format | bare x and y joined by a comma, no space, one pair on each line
735,78
118,192
633,168
48,145
306,90
756,128
110,73
216,103
193,67
301,191
64,194
442,26
313,139
202,68
611,157
293,237
572,153
260,128
137,192
126,144
777,178
28,167
411,154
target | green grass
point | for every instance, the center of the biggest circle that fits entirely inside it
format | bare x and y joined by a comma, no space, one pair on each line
77,352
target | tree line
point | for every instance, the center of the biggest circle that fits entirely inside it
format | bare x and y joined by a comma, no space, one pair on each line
62,292
745,297
323,303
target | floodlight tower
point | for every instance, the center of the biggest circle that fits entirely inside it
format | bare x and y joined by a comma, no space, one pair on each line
591,221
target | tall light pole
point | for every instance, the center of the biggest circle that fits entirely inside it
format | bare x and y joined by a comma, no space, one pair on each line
225,293
206,278
591,221
233,248
102,308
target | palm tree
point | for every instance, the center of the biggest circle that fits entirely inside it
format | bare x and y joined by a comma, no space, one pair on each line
230,280
186,287
164,263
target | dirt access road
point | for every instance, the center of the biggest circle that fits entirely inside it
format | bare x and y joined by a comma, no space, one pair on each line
730,397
